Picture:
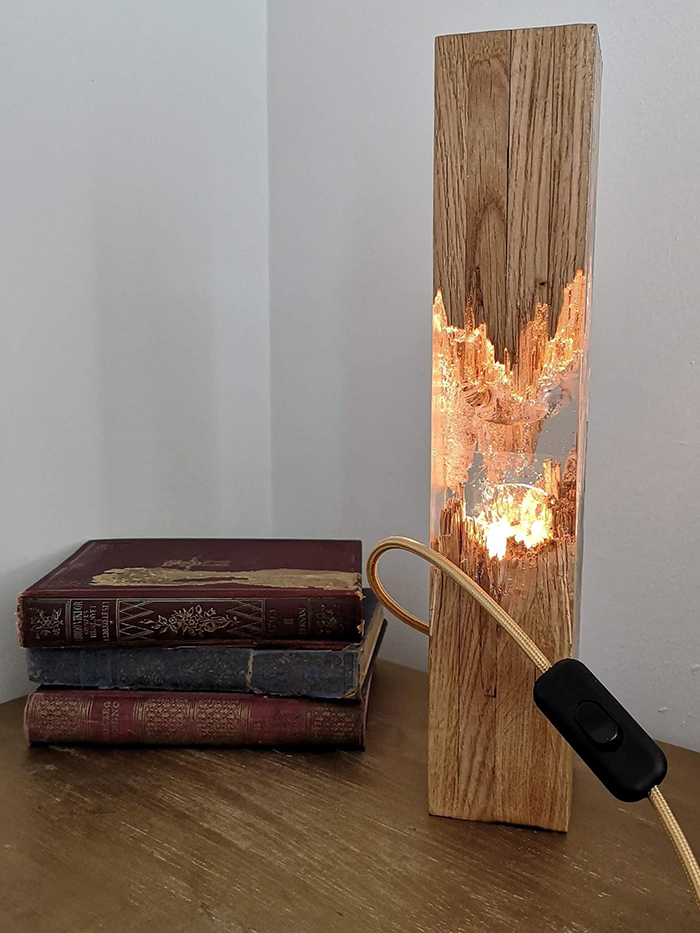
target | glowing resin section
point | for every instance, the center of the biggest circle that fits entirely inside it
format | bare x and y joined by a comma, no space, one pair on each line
504,432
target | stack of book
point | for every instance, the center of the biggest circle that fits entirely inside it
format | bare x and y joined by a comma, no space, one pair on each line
202,641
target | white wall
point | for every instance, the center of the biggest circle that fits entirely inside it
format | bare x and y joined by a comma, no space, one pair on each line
350,123
134,342
134,336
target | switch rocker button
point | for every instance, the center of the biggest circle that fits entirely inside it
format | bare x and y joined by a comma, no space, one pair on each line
598,726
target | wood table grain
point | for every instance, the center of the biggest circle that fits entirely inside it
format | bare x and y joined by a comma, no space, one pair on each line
126,840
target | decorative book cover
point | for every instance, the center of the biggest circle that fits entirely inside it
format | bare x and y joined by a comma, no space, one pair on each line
324,673
60,715
189,591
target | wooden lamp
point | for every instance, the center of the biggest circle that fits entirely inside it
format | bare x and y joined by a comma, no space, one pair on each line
516,116
516,120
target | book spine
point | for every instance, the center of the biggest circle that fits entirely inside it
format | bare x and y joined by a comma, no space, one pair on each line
51,622
324,673
115,717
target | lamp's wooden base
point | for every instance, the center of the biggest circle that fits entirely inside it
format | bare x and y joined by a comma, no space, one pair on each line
492,755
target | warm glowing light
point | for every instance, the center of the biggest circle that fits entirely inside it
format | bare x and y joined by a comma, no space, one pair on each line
515,511
497,409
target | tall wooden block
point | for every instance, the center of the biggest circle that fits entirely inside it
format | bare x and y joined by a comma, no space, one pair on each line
515,164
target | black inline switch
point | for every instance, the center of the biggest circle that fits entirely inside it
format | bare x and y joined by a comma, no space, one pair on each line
599,729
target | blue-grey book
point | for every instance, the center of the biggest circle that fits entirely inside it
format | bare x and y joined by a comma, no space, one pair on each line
328,673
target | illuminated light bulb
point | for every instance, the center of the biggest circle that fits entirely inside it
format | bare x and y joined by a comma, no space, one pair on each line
517,511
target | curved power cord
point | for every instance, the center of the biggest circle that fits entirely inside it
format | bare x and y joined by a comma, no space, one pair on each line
528,647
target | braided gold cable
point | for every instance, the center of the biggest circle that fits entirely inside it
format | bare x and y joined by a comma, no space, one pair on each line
677,837
530,649
524,642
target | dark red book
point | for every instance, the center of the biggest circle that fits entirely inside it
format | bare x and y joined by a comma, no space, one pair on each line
189,591
60,715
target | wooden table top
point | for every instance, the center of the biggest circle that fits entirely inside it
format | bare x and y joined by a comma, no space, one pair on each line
109,840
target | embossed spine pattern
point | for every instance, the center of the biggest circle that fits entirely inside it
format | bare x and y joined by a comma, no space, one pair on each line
330,673
191,591
49,622
116,717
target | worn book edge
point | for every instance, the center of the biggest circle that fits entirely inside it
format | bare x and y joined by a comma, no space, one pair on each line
68,716
252,670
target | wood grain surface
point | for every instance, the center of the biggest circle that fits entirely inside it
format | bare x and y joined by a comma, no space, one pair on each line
575,119
529,176
515,163
99,840
514,172
487,64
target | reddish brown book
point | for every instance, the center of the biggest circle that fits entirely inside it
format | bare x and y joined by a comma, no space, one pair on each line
190,591
146,717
